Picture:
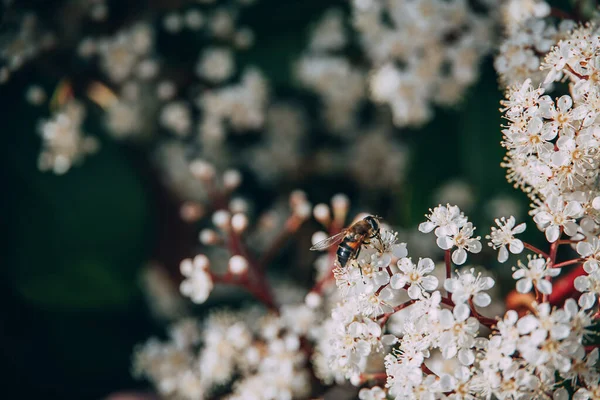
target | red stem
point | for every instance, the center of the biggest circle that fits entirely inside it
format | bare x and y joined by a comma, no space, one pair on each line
448,261
536,250
257,282
489,322
570,262
258,292
376,376
384,317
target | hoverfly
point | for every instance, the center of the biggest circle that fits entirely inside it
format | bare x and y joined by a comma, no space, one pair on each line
351,239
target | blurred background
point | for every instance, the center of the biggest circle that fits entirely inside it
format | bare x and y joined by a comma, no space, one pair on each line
76,244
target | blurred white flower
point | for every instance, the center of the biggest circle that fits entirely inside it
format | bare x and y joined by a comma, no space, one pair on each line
198,282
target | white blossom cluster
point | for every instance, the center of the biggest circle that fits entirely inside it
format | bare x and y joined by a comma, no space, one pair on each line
142,94
530,33
340,85
439,346
63,141
422,53
261,352
23,43
552,145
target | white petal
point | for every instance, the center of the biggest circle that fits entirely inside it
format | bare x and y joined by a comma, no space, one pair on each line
399,250
587,300
389,340
426,265
552,233
386,294
382,278
461,312
524,285
544,286
573,209
426,227
564,103
444,242
582,283
502,254
482,299
516,246
414,292
398,281
519,228
459,256
451,284
429,282
466,357
446,318
474,246
584,249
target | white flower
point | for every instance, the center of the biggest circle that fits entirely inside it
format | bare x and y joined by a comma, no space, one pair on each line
443,219
534,273
507,328
589,286
504,237
352,344
458,336
590,250
557,214
216,64
198,283
462,240
176,116
415,276
470,286
374,393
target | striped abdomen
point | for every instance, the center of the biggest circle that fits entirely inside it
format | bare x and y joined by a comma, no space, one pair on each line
348,249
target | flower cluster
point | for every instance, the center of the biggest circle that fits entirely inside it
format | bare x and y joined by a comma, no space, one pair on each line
453,231
260,351
529,35
552,144
340,84
439,346
422,53
64,143
22,43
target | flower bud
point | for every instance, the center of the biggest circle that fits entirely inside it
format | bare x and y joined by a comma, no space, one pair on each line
238,205
318,237
201,261
238,265
313,300
340,204
232,178
221,219
191,211
239,222
322,213
297,197
208,237
202,170
303,210
596,203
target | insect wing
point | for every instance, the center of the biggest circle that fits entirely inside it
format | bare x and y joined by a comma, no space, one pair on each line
330,241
